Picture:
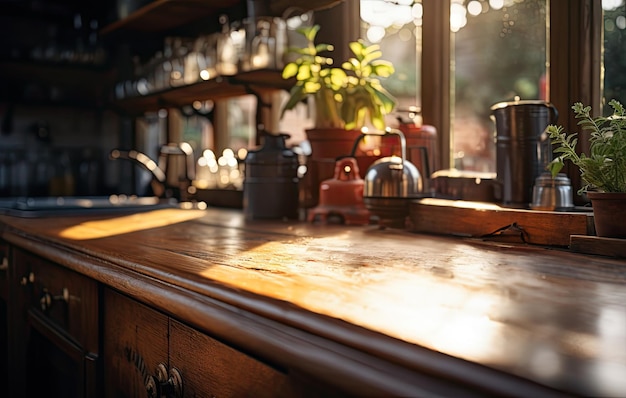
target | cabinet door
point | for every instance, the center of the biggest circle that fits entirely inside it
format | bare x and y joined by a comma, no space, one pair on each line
4,268
210,368
146,352
53,329
134,345
4,339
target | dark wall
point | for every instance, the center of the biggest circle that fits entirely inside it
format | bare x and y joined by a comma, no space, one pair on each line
54,80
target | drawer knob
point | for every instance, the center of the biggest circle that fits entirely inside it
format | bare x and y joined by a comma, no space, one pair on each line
47,299
151,387
171,382
27,279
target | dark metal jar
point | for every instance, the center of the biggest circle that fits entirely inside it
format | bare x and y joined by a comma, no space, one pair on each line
270,188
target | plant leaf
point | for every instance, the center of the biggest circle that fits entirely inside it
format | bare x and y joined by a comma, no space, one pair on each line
296,94
290,70
310,32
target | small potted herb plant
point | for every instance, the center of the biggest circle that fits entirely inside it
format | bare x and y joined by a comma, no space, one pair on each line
603,170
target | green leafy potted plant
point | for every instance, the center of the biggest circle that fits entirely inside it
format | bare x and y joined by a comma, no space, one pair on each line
345,99
603,170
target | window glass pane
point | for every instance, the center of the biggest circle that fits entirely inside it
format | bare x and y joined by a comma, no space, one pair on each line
614,51
197,129
241,122
396,26
295,122
499,53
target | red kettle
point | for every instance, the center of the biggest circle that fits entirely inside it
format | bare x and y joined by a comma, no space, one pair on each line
342,196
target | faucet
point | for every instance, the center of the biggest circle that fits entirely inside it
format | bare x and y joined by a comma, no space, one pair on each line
167,179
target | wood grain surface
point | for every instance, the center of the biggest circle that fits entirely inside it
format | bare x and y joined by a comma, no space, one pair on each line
479,219
544,315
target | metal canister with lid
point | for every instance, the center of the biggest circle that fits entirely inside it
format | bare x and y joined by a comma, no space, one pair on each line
523,149
270,188
552,193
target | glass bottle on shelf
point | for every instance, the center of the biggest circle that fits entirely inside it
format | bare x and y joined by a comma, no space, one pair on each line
42,171
192,62
263,46
5,173
207,61
179,51
19,174
62,182
227,48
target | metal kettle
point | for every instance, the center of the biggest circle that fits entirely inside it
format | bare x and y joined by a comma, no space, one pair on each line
341,197
391,183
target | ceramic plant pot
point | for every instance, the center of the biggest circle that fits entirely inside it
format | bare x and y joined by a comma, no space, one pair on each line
609,214
327,145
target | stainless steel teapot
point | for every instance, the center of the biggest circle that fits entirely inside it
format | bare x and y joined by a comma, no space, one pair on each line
391,183
392,177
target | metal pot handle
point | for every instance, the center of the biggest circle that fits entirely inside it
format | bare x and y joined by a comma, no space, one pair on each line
388,131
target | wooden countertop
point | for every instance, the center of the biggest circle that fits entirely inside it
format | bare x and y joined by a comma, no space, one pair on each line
545,315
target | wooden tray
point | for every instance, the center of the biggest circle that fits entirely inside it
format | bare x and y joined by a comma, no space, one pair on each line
488,220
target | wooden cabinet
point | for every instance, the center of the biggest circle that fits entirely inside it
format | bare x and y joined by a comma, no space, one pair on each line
229,308
4,270
35,83
4,339
135,340
148,352
53,329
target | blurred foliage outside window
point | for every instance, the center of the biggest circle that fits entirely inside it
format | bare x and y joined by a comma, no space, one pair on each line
499,53
614,53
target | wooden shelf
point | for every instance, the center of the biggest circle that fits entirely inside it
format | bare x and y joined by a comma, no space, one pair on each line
251,82
278,7
64,84
64,72
163,15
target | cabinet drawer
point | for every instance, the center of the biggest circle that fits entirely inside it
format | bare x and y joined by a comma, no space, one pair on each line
60,296
142,347
210,368
134,344
4,270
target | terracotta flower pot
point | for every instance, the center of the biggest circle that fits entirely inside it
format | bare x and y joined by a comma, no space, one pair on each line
609,214
328,144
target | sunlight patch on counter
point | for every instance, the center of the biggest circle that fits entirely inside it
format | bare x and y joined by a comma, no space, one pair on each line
442,317
435,314
96,229
464,204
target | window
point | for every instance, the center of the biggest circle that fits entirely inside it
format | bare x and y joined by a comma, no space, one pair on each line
241,122
498,52
470,54
614,78
396,26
